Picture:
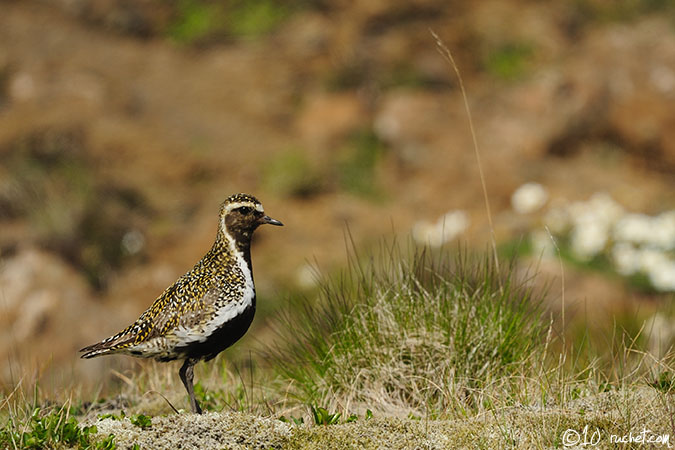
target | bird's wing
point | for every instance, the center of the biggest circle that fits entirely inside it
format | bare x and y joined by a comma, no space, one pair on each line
191,314
163,316
219,305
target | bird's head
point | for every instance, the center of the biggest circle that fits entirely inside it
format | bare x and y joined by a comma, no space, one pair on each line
241,214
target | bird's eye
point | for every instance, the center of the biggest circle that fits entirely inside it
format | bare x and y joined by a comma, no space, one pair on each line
244,210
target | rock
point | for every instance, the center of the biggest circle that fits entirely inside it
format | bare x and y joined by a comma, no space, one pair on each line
21,87
643,90
547,113
141,18
307,34
618,84
46,315
409,122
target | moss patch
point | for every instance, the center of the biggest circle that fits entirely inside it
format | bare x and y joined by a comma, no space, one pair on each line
614,413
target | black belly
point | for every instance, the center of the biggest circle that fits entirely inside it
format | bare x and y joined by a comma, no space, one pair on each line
221,339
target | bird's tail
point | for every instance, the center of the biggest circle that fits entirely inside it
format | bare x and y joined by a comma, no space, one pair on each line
92,351
113,344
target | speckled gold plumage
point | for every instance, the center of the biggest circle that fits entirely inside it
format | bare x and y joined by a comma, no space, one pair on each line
213,282
207,309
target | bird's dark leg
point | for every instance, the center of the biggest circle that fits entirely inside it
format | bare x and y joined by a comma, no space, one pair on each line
186,375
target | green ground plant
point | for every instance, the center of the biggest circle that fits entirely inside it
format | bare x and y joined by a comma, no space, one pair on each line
323,417
510,61
52,428
291,173
199,21
141,421
356,164
252,18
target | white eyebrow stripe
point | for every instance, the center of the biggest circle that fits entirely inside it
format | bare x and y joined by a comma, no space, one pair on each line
257,206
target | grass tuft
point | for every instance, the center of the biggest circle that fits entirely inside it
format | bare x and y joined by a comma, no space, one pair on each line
424,335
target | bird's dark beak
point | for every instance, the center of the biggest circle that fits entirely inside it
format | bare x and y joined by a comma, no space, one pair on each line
269,220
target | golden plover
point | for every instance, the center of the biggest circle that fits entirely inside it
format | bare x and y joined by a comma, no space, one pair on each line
206,310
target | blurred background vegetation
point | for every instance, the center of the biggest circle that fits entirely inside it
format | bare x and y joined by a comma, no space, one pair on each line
124,124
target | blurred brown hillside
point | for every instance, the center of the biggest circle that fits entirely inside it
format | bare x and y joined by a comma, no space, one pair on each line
124,124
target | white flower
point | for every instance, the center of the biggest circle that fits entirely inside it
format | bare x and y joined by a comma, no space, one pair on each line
651,259
658,232
640,243
452,224
588,239
449,226
592,222
529,198
659,267
662,276
663,232
635,228
600,208
626,258
422,231
605,208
